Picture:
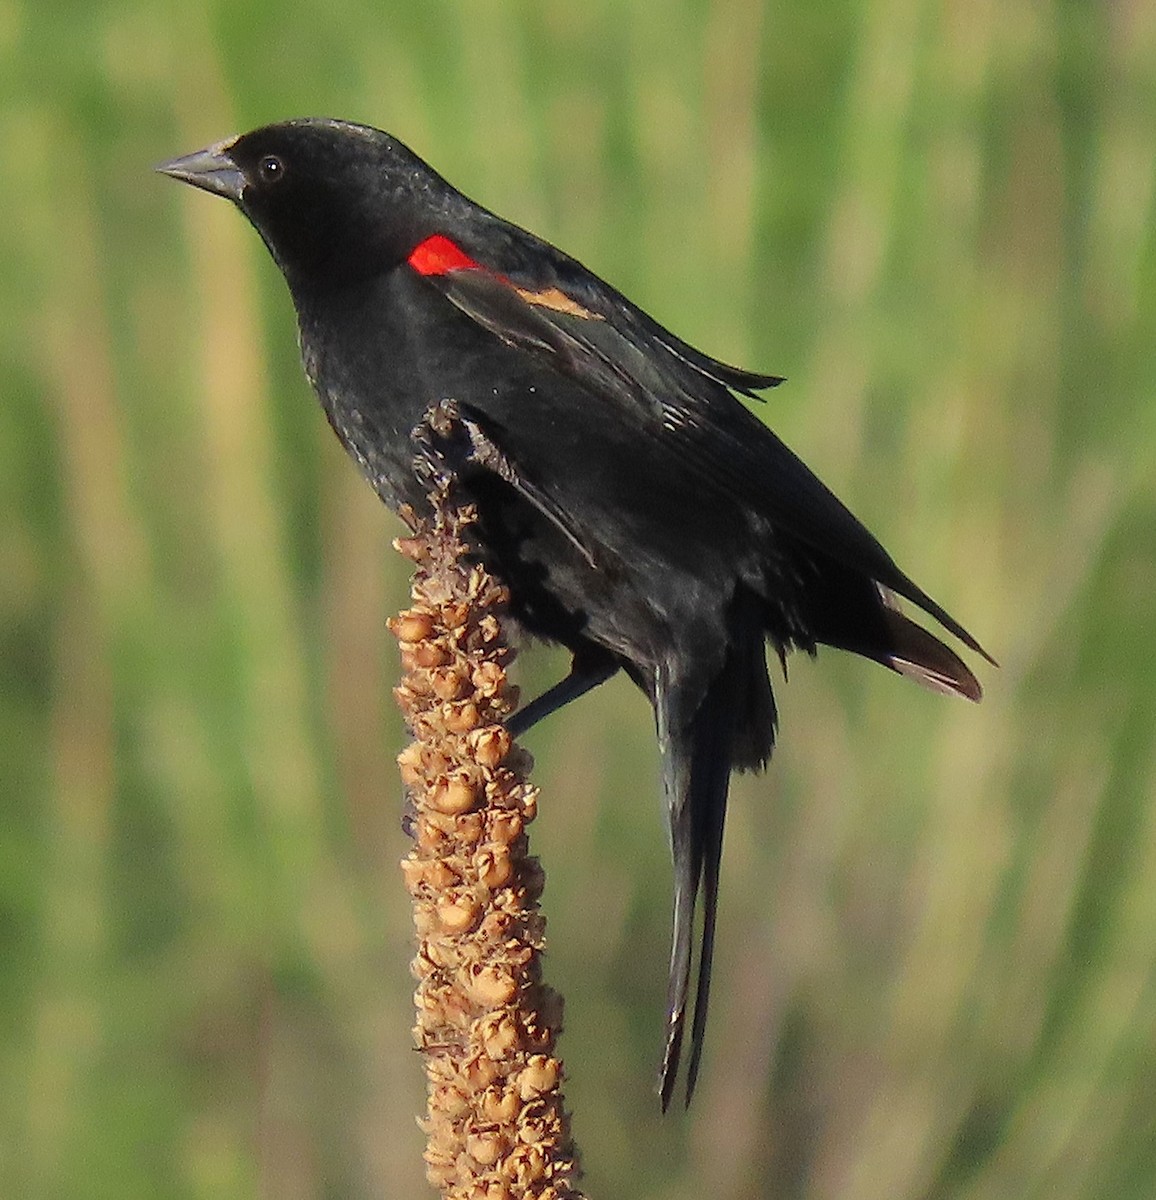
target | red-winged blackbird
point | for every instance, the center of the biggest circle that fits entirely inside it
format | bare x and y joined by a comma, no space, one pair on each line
639,513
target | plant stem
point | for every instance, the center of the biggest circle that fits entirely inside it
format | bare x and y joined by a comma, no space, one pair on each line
487,1024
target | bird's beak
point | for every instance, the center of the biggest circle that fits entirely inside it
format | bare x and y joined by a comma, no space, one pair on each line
210,169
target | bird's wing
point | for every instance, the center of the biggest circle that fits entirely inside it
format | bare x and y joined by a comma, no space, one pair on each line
560,290
463,445
681,399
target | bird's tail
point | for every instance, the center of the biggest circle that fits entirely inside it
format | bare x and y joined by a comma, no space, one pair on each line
851,611
732,726
705,733
911,651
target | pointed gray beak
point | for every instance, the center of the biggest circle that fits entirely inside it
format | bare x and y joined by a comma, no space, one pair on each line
210,169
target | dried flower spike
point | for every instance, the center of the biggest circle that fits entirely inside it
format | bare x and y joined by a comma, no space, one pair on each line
495,1121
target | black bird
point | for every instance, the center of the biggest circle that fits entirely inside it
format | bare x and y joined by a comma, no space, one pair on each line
640,514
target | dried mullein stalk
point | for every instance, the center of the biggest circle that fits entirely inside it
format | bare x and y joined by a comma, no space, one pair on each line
487,1024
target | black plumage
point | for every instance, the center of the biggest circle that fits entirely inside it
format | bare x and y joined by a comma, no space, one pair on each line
640,514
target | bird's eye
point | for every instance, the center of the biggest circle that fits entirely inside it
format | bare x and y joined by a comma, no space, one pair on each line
271,169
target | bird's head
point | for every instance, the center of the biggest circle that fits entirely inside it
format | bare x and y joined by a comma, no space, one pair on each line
333,201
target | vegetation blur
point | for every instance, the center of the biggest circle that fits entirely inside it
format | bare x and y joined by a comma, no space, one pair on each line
936,976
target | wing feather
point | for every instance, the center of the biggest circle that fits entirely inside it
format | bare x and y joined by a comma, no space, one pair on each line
683,399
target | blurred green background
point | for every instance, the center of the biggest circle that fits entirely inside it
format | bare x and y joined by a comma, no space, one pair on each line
936,971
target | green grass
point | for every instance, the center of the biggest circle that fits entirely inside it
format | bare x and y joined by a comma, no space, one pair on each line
937,969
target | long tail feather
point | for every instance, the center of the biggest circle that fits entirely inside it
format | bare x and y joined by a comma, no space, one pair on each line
856,613
909,590
919,655
701,770
732,724
712,759
676,776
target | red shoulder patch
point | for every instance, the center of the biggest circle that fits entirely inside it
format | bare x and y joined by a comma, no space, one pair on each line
437,255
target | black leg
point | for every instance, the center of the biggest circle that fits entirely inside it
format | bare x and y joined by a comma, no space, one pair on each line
587,670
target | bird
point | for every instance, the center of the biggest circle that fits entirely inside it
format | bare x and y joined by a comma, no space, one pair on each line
639,512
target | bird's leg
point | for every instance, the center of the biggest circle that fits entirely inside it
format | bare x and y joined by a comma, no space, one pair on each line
587,670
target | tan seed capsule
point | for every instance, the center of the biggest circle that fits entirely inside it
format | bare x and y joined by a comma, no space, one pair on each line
498,1035
469,828
425,919
533,1132
486,1147
435,763
524,1164
450,1007
539,1075
440,875
423,966
506,827
443,823
457,915
439,1172
492,987
493,866
412,626
427,838
427,999
463,717
488,678
453,796
495,926
479,1071
430,654
411,777
451,1101
447,683
426,724
438,954
442,1071
454,616
410,763
414,871
517,956
490,745
413,755
499,1107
